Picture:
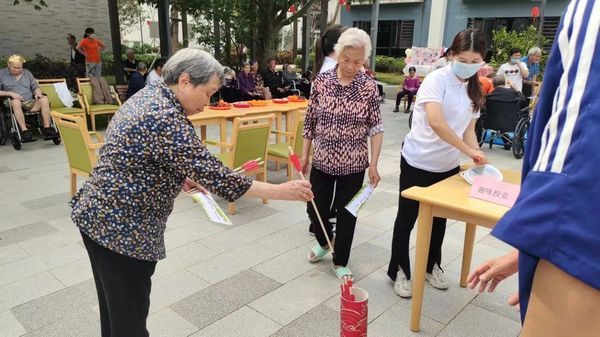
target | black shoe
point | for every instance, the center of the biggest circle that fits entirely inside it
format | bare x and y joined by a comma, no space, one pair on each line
407,111
49,132
26,135
396,110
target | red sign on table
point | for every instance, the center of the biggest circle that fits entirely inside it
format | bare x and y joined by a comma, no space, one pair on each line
489,189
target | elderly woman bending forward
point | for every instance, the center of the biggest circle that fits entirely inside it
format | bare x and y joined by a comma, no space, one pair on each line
343,114
151,153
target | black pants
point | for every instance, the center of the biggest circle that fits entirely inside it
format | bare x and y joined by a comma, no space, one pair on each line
346,189
409,99
123,285
407,215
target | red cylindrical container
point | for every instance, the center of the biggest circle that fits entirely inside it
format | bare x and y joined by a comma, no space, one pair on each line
354,315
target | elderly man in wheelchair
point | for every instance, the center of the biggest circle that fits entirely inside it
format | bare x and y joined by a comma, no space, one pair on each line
25,98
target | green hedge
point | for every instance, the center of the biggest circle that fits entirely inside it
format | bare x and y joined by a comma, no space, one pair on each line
389,64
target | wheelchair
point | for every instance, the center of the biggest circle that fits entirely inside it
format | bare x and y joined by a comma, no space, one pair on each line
507,122
9,128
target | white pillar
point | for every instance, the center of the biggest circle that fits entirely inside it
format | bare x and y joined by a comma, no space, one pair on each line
437,23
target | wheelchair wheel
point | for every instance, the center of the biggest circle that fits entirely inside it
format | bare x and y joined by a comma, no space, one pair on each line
3,131
16,142
518,146
56,141
410,120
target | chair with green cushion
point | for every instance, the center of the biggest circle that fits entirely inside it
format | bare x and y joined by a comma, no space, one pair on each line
85,96
47,87
81,151
280,153
249,140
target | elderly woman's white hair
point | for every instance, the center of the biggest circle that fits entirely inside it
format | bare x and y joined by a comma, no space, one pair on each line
535,51
354,38
198,64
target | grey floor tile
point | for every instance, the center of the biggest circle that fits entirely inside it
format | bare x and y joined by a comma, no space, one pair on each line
4,169
383,219
83,324
51,200
43,311
287,239
481,254
10,326
182,257
396,323
443,305
477,322
256,211
289,265
173,288
364,260
11,253
381,200
297,297
320,321
74,273
244,322
22,233
217,301
27,289
491,241
235,237
167,323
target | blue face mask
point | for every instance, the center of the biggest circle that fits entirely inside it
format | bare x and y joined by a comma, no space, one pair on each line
515,60
465,70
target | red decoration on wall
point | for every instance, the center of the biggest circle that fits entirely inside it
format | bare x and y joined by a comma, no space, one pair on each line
535,12
149,23
347,7
342,2
292,9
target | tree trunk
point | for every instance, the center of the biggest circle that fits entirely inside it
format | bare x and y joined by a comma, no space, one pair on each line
174,30
184,28
295,39
324,15
228,60
217,42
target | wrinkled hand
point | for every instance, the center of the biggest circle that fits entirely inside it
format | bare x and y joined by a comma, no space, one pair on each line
190,184
513,300
38,96
478,157
491,272
304,162
373,176
16,96
296,190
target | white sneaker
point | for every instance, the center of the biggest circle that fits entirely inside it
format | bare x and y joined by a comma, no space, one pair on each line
402,286
437,278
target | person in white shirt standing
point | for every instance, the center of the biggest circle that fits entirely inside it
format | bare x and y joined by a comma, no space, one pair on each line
514,70
443,127
156,74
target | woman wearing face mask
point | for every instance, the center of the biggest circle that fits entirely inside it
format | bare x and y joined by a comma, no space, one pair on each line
443,127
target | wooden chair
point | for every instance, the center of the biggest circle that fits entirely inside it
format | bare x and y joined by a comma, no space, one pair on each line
279,152
81,151
85,95
249,140
47,87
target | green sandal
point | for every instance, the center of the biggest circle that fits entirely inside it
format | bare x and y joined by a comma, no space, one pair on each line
342,272
318,253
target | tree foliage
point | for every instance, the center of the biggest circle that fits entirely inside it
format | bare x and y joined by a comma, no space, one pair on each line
129,14
505,40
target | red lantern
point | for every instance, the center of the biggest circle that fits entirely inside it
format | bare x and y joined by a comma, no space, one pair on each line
535,12
149,23
292,9
347,7
342,2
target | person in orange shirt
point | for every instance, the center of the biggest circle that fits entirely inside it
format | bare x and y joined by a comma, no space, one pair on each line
91,48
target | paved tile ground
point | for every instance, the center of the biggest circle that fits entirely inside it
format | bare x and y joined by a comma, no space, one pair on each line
251,279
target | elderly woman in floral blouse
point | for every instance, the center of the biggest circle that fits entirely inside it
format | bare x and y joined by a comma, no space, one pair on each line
343,115
151,153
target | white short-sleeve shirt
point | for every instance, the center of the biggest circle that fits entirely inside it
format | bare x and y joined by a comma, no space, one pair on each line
423,148
513,73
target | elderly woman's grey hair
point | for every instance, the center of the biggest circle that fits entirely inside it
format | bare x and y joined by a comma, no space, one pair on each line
141,66
354,38
535,51
198,64
498,81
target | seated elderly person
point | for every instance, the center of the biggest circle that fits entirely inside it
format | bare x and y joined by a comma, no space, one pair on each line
137,80
25,94
504,91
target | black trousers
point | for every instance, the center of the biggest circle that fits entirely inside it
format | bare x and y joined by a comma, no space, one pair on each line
409,99
346,189
408,211
123,285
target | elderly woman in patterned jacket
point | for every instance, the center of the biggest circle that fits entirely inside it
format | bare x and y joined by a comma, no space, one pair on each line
342,116
151,153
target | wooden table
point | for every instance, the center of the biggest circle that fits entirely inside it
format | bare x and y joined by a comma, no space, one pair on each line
449,199
220,117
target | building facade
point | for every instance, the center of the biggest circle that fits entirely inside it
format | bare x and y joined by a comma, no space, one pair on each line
433,23
28,32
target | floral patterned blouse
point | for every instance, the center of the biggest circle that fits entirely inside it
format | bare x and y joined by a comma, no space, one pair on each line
150,148
339,121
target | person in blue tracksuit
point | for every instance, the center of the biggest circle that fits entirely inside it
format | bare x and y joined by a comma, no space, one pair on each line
555,223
